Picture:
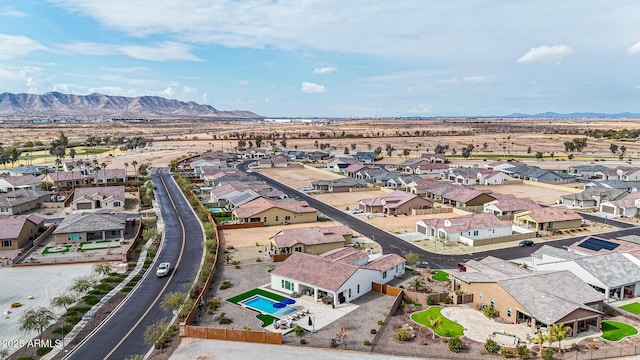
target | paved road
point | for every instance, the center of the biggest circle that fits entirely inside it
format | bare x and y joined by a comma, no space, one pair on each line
121,335
392,244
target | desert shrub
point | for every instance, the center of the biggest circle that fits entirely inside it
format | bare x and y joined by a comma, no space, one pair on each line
366,342
63,329
506,352
298,330
547,354
333,343
489,311
380,322
403,335
431,300
446,300
225,285
491,346
303,341
72,319
374,331
455,345
91,299
523,352
43,350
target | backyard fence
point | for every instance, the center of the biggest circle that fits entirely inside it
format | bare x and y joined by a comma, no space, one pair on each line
609,353
34,245
440,210
392,311
203,332
314,340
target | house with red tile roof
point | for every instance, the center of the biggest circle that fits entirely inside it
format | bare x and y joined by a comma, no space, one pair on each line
98,198
333,279
548,219
17,231
434,158
461,197
475,226
395,203
508,207
271,212
66,179
626,206
278,161
11,183
310,240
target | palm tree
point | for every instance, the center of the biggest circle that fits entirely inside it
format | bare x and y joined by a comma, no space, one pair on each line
417,284
45,171
560,332
36,320
126,165
104,172
73,183
58,163
135,167
96,170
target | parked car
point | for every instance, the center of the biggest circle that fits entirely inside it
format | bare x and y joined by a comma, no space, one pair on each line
163,269
422,264
357,211
524,243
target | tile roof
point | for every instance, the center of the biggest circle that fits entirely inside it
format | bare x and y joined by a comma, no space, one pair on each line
612,269
116,192
552,214
514,204
385,262
23,180
261,204
340,182
21,196
596,192
315,270
83,221
555,252
627,202
626,244
11,226
66,175
391,200
311,236
109,174
346,255
490,269
464,195
475,221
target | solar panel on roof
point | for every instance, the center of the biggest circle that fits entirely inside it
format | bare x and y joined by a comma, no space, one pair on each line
598,244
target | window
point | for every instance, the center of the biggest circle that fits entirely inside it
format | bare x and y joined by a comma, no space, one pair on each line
493,302
287,218
349,293
508,312
264,219
277,218
475,233
4,209
286,284
384,274
480,296
116,204
297,249
358,288
6,243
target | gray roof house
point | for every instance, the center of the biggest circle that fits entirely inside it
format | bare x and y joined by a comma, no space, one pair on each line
22,200
80,227
365,156
338,185
592,197
534,173
614,274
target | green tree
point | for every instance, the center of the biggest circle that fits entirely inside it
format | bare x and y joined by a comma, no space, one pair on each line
613,148
455,345
560,332
412,257
173,301
82,284
417,284
149,233
539,155
36,320
102,269
157,333
491,346
346,150
63,300
406,153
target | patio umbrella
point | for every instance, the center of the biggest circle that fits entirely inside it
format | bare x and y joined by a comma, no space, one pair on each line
289,301
310,322
279,305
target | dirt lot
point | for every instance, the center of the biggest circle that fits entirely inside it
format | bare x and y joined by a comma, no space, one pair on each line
541,194
299,177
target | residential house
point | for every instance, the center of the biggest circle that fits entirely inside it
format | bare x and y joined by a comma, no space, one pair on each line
395,203
492,177
17,231
255,154
366,157
80,227
462,197
401,182
536,174
592,196
616,275
548,219
338,185
475,176
434,158
626,206
311,240
99,198
85,168
353,169
294,154
334,281
502,165
629,186
431,168
421,186
110,176
586,171
65,179
11,183
271,212
475,226
23,200
623,173
277,161
317,155
33,170
591,245
376,175
509,207
340,163
538,299
243,197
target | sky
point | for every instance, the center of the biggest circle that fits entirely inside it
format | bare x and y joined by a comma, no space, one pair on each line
332,58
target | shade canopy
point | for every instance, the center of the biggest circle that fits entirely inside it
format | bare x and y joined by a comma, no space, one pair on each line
289,301
279,305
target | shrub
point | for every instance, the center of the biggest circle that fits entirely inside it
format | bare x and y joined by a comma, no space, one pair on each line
258,260
547,354
132,265
72,319
610,311
374,331
491,346
455,345
79,309
303,341
43,350
126,289
489,311
225,285
431,300
523,352
91,299
403,335
333,343
366,342
224,320
380,322
506,352
446,300
237,266
63,329
298,331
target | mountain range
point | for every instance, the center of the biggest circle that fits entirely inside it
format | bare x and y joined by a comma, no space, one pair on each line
577,115
98,107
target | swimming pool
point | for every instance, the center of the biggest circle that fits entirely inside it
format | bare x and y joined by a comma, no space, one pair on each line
216,210
264,305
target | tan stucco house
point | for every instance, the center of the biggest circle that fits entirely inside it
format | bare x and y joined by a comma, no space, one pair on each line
17,231
271,212
548,218
310,240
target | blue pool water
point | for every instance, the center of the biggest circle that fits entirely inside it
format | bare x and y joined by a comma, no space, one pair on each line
216,210
265,305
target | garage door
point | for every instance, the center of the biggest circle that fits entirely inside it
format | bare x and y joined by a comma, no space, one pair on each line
421,229
608,209
83,206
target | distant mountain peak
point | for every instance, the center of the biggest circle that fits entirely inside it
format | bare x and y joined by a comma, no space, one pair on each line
98,106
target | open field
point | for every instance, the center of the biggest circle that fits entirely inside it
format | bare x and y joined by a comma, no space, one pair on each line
299,177
543,194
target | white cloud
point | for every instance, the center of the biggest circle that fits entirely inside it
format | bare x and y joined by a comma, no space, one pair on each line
169,92
166,51
635,48
12,12
466,80
17,45
324,70
311,88
545,54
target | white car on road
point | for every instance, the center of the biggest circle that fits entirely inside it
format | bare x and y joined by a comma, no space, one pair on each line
163,269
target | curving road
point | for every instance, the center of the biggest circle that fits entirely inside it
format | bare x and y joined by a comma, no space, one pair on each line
121,334
392,244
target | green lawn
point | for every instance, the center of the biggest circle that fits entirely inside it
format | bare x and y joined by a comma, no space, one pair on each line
269,295
266,319
439,275
632,307
444,327
616,331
